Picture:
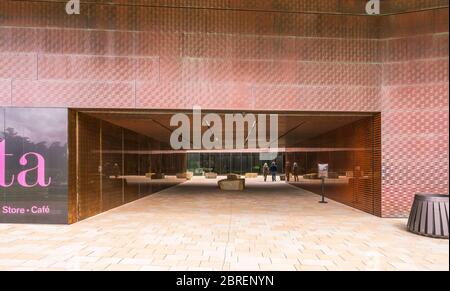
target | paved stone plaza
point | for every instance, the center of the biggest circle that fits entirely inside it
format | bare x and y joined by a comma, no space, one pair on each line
194,226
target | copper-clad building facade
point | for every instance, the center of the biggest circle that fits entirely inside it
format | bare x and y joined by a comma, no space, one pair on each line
236,55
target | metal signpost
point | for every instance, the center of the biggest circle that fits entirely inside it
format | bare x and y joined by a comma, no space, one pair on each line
323,174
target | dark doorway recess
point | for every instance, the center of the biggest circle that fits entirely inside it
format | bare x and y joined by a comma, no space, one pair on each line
113,155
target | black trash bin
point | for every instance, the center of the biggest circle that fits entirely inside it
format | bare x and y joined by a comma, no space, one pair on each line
429,216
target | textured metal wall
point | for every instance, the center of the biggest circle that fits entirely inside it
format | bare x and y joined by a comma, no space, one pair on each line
414,102
231,57
355,7
132,56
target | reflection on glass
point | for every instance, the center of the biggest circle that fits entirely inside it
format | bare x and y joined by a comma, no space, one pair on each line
225,163
117,166
33,143
353,175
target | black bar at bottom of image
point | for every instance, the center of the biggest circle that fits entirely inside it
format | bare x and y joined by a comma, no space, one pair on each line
227,280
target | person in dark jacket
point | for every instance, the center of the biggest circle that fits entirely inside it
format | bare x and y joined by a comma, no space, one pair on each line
295,171
287,170
273,171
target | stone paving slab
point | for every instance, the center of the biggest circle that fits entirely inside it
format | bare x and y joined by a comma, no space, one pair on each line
195,226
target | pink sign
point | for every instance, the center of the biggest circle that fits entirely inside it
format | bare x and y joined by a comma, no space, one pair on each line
39,169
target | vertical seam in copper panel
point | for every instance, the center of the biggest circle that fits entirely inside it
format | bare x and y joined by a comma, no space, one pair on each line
135,68
11,92
252,95
134,93
37,66
159,69
182,52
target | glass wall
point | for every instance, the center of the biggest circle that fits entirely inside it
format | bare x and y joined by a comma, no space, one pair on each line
226,163
112,167
33,165
353,154
115,166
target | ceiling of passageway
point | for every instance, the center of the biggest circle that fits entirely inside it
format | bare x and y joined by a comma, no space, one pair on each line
292,128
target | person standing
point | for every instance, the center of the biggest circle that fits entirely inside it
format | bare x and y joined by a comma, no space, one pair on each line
295,171
273,171
265,171
287,170
116,170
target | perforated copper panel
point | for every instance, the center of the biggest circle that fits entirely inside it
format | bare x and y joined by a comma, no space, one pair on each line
73,94
317,98
322,6
18,66
415,116
5,92
173,58
162,57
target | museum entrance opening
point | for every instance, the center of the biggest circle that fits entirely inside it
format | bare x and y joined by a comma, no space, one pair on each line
118,156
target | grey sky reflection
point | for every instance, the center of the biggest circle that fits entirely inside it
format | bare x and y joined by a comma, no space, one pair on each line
38,124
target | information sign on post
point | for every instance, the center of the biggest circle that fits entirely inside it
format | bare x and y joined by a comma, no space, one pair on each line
323,174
